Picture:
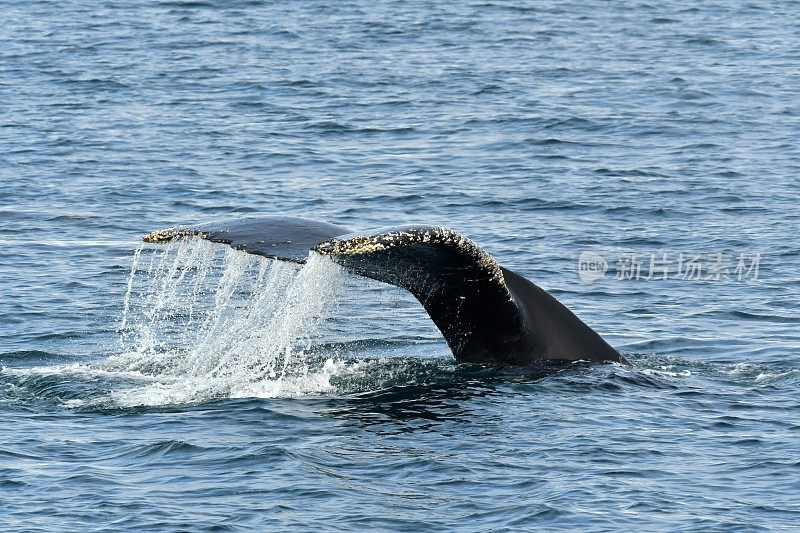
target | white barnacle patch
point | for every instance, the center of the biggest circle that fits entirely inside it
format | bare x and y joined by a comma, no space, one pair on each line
368,244
354,246
166,235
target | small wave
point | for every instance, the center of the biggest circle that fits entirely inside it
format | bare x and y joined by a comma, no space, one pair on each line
629,173
765,318
704,41
528,204
185,4
31,355
577,123
330,127
13,484
489,89
166,447
547,141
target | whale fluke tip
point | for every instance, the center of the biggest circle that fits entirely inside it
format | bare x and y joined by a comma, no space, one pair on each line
165,235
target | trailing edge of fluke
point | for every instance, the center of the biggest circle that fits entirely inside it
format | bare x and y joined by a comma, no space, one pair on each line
486,313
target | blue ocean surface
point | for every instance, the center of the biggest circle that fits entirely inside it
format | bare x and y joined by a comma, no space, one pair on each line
639,160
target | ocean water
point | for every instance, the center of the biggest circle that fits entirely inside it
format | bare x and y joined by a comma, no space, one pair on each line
193,388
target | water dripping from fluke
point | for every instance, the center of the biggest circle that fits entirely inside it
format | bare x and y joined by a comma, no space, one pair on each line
202,322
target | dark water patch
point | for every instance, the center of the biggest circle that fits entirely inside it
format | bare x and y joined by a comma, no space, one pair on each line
747,442
528,204
699,146
704,41
489,89
300,83
187,4
630,173
395,198
654,211
744,209
640,242
549,141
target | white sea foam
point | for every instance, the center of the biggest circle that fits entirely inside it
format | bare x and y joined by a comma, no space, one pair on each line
759,374
667,371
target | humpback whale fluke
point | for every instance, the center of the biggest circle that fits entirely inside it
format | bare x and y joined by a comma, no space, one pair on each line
486,313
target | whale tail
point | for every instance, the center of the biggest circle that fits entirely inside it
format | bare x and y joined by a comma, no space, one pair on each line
486,313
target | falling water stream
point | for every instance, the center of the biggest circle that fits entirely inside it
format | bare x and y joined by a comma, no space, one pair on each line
206,321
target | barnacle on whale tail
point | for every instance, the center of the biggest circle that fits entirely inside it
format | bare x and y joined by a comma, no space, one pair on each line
385,239
165,235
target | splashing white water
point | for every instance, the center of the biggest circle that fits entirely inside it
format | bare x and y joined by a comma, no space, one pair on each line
205,322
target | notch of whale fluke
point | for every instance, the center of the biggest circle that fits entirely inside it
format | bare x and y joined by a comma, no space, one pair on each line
486,313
